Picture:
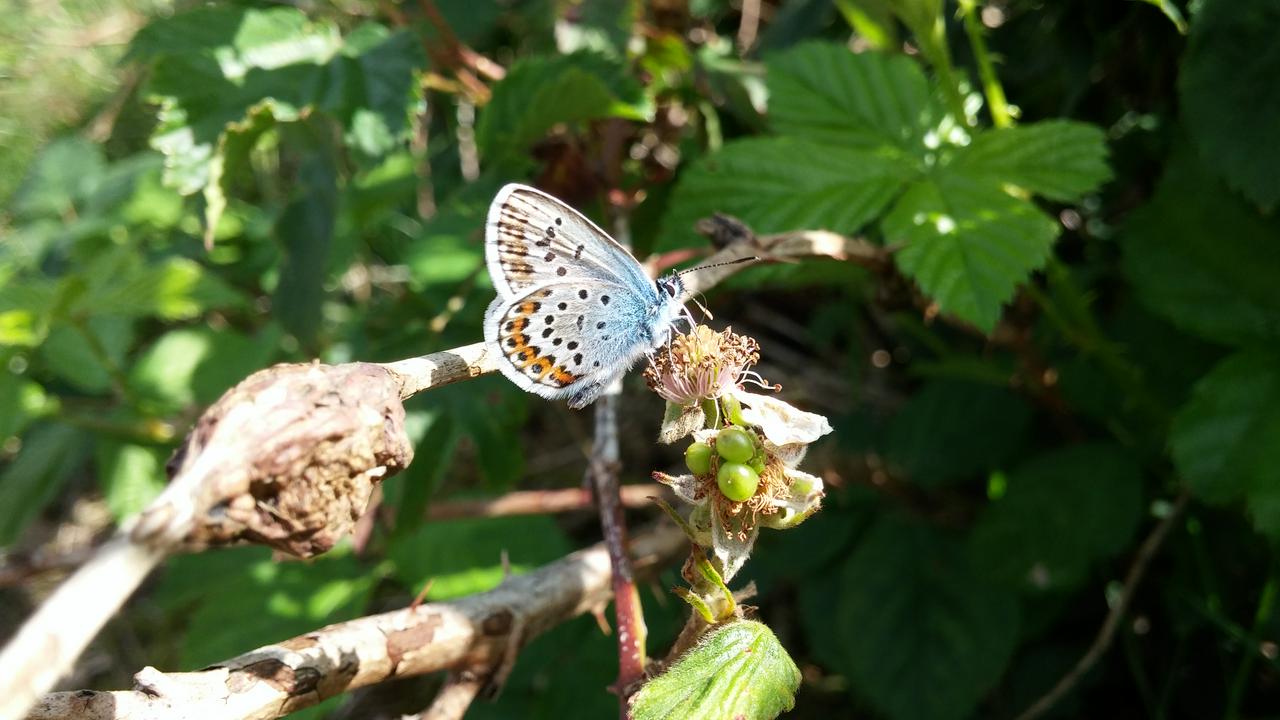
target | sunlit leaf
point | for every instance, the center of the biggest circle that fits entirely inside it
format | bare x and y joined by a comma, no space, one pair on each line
539,92
737,670
968,244
1058,159
825,93
130,475
780,184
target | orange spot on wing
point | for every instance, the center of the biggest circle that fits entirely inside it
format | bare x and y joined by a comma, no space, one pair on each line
560,377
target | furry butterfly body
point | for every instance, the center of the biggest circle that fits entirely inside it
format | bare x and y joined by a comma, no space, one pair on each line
574,309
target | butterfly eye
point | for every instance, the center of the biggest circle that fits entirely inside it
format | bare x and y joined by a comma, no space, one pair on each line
669,285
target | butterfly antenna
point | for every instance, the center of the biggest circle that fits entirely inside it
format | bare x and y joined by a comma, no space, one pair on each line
751,258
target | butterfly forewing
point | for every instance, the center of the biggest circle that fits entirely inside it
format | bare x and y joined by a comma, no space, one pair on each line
532,238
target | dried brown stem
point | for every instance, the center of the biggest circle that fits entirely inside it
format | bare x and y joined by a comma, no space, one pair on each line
1107,633
472,634
541,502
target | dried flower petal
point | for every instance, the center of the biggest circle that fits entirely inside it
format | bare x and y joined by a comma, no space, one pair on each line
788,428
701,364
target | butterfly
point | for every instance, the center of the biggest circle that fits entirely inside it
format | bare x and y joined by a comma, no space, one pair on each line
574,309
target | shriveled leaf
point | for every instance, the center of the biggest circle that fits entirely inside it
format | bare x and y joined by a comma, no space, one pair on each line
968,243
825,93
739,670
1062,512
1230,98
913,616
1224,439
1059,159
1203,259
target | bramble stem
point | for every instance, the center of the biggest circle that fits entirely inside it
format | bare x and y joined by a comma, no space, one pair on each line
991,87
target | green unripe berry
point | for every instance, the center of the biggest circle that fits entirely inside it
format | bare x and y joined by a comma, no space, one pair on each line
698,458
735,445
737,481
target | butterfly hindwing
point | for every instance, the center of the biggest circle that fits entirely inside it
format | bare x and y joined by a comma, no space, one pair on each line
560,339
532,238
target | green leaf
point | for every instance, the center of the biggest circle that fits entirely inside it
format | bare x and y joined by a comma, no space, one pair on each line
22,400
434,440
65,173
952,430
1224,440
1062,512
121,282
1205,260
968,243
825,93
131,475
191,366
49,454
1058,159
239,599
219,72
924,637
305,231
738,670
540,92
463,557
1170,11
1230,98
85,355
781,184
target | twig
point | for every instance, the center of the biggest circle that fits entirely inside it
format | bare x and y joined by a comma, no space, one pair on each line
748,25
454,698
453,56
470,633
540,502
603,472
51,640
1107,633
628,615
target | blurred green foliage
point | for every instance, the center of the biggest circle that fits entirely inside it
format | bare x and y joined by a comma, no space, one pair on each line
1082,321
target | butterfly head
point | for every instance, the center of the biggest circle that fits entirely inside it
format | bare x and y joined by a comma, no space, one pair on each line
670,286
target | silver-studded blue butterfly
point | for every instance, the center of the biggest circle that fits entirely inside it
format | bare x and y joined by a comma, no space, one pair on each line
574,309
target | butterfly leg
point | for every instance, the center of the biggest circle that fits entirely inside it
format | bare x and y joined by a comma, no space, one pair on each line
587,395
